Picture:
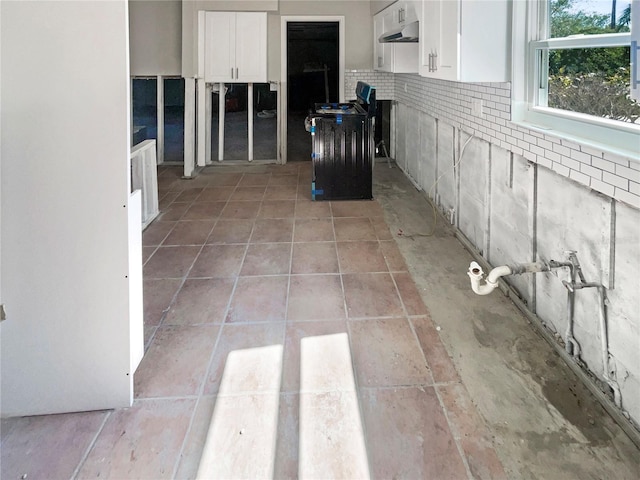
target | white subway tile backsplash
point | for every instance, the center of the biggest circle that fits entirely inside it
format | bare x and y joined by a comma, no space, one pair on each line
581,157
591,171
544,143
553,156
627,197
451,102
603,164
615,180
579,177
537,150
562,150
633,175
572,164
545,162
602,187
561,169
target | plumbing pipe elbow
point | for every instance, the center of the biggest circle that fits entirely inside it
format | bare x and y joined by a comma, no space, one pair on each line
476,275
498,272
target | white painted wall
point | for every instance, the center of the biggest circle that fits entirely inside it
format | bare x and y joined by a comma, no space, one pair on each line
65,201
155,28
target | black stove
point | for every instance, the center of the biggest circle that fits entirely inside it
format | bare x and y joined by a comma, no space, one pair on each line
343,147
339,108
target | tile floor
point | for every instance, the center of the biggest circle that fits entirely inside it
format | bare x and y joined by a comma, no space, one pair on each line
284,338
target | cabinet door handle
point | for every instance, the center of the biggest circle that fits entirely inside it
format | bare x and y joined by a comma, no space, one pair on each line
237,73
231,72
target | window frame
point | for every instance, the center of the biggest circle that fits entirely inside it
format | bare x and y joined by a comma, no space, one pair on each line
529,18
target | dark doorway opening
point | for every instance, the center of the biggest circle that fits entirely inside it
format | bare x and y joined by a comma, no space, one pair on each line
312,77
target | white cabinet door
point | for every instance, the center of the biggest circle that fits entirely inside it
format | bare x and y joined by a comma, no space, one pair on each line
465,40
219,55
430,25
440,43
384,52
394,57
235,47
251,47
449,44
410,10
380,50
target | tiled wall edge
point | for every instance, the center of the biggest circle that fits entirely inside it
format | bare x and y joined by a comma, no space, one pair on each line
610,174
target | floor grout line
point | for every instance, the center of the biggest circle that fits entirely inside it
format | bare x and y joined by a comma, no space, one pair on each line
92,444
456,438
225,323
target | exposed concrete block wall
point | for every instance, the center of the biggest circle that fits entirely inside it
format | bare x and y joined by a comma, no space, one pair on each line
520,196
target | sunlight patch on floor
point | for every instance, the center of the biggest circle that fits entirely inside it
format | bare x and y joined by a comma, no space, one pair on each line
332,441
241,441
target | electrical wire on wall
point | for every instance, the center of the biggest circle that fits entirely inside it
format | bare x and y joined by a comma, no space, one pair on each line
432,200
429,195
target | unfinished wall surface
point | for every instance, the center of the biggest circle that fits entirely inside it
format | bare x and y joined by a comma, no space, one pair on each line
519,196
512,198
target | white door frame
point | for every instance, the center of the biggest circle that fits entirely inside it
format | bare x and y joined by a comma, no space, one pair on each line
283,68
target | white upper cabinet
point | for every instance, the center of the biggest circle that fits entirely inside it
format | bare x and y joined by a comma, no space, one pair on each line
235,49
398,57
407,11
465,40
383,52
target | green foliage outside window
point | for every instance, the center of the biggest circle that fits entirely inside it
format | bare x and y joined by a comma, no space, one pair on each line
594,81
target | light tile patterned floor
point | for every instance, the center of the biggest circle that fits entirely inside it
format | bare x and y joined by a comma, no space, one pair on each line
285,338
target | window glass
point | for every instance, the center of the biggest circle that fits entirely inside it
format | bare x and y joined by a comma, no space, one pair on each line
588,17
591,78
594,81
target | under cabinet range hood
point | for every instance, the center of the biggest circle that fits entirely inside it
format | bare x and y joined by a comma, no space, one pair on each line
406,33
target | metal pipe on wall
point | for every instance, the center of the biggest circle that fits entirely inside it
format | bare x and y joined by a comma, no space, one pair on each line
572,346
